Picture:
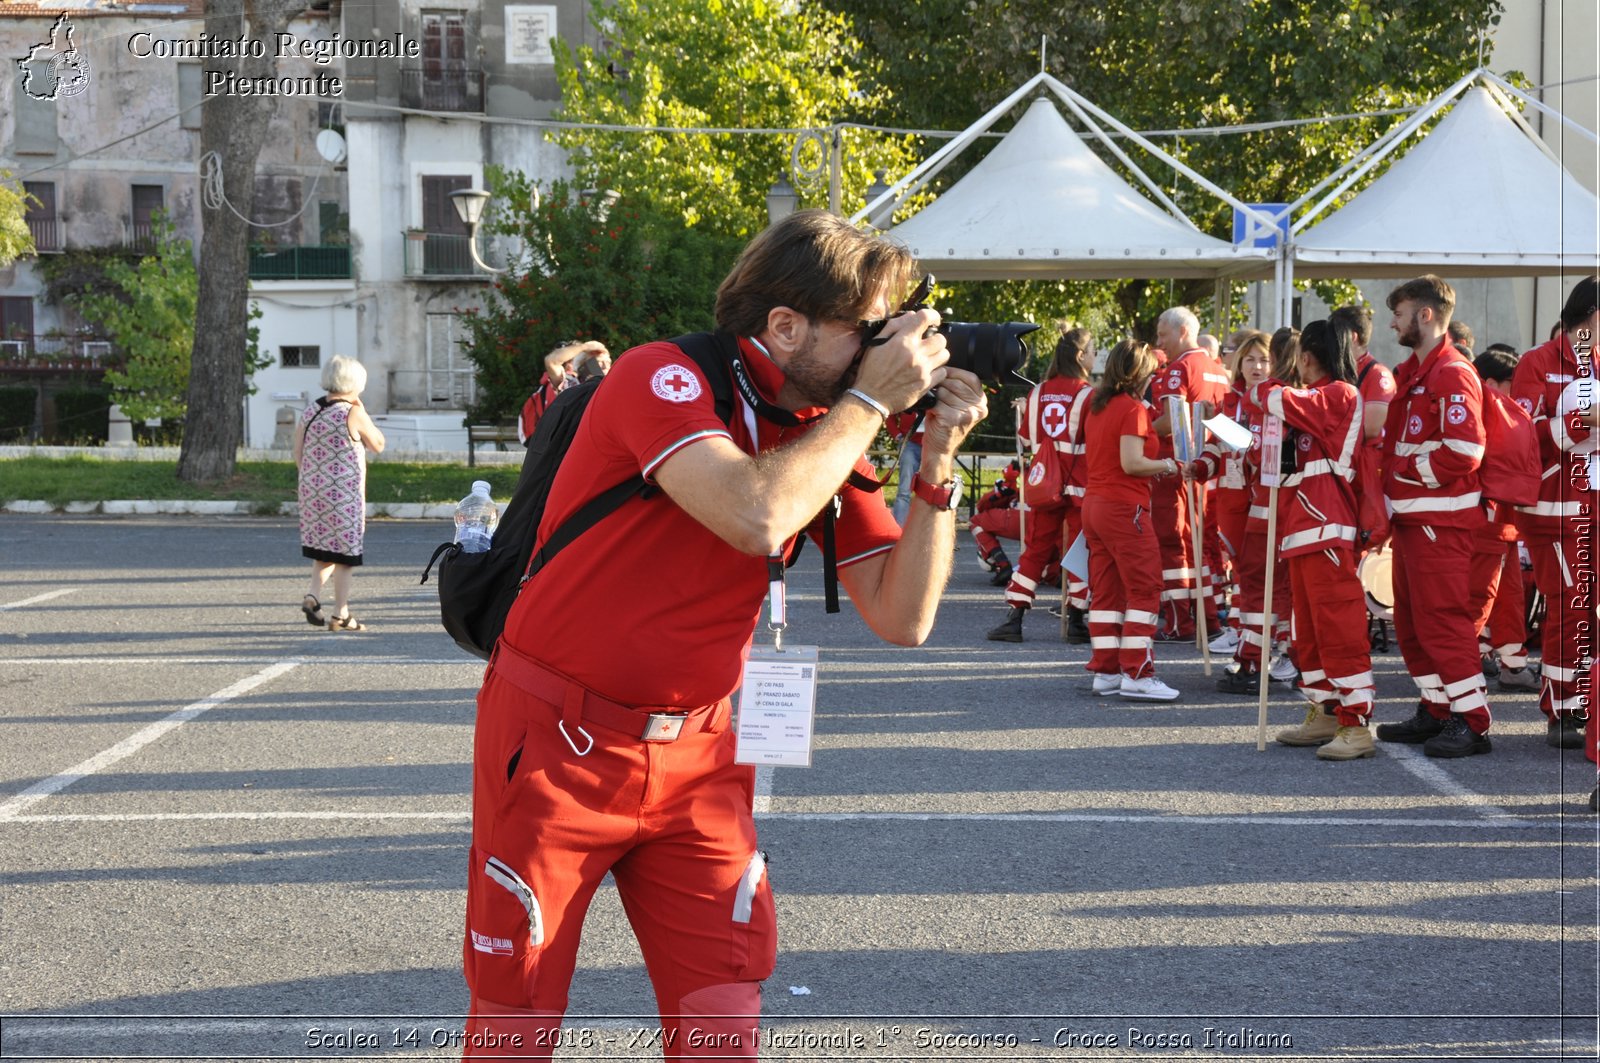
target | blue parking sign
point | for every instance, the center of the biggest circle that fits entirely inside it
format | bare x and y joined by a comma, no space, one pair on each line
1249,232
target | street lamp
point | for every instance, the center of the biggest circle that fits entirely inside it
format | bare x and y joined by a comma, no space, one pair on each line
782,200
469,205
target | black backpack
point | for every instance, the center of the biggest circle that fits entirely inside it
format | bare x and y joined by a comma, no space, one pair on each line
476,591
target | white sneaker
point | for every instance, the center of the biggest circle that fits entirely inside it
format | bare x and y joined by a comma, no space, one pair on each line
1283,670
1226,642
1106,685
1147,689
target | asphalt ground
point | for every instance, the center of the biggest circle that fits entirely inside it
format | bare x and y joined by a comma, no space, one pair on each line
224,833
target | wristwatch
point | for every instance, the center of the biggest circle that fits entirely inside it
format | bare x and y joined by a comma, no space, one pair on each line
943,496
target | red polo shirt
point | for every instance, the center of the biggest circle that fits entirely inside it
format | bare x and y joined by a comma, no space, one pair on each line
649,607
1124,415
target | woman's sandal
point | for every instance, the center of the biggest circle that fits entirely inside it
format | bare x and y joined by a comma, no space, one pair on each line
313,610
345,623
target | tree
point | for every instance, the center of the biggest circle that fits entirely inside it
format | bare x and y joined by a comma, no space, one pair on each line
234,127
616,274
1183,64
148,311
16,239
746,64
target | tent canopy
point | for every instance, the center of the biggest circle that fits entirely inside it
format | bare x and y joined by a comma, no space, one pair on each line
1477,196
1042,205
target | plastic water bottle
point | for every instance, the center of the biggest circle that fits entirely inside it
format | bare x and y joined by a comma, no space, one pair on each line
476,516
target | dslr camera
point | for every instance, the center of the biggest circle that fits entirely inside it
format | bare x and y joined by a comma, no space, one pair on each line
991,352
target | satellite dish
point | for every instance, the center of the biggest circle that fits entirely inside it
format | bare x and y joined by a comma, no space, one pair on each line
330,145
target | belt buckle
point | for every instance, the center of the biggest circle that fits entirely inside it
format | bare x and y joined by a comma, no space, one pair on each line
663,726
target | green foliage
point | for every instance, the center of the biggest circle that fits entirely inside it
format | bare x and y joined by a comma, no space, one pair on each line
16,413
82,415
1183,64
16,239
148,311
745,64
624,279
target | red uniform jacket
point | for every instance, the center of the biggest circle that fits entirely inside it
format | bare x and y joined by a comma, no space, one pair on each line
1056,410
1433,441
1541,377
1196,377
1327,418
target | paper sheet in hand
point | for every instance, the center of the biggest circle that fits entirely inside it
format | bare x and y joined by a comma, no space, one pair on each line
777,706
1077,559
1234,436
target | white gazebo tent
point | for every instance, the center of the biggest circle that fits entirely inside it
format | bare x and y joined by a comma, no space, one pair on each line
1480,195
1042,205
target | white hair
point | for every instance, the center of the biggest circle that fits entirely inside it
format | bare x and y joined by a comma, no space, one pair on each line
344,376
1181,318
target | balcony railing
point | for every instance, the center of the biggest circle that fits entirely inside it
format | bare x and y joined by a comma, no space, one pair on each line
440,255
46,234
441,90
324,262
432,389
140,236
55,352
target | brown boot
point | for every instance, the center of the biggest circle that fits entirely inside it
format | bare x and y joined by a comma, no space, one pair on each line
1320,727
1351,743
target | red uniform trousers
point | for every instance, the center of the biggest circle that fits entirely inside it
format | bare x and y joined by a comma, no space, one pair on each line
1497,603
565,790
1179,567
1232,507
1077,586
1248,607
1330,632
1041,549
1124,585
1432,621
992,525
1215,572
1566,579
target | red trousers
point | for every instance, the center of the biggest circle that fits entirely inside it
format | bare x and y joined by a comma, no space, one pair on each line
1433,622
992,525
1124,585
1179,566
1497,602
1564,572
564,790
1331,646
1247,604
1041,548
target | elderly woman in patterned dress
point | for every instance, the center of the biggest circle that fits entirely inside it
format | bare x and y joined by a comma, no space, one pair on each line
330,445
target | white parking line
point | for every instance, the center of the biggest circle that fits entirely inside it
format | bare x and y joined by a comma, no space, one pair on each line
1260,820
138,740
38,598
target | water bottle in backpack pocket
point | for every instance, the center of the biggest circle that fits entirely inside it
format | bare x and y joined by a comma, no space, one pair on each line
476,517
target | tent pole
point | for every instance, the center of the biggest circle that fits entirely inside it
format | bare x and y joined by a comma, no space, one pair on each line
1522,123
1277,287
1223,312
1541,106
1111,146
1288,287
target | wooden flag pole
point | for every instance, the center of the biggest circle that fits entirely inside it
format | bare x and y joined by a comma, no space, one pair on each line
1268,620
1197,528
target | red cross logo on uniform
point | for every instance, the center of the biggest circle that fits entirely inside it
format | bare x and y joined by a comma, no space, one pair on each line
675,384
1054,419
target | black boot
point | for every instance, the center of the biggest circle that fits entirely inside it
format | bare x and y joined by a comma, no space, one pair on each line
1011,629
1077,627
1002,576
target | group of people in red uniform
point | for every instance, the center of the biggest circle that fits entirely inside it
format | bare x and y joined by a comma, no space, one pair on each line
1370,460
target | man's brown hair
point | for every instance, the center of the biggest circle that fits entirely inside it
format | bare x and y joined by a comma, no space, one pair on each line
1426,290
1358,319
815,263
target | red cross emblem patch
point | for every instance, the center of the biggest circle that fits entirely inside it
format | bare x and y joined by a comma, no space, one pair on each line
1053,418
675,384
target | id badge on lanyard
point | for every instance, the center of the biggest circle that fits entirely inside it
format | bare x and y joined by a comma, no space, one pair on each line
778,692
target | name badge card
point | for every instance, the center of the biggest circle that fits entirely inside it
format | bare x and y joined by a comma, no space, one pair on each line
1271,451
777,706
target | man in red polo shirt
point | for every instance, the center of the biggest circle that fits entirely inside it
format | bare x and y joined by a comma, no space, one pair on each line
615,754
1192,374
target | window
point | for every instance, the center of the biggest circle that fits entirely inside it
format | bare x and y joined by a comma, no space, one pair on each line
147,200
16,318
300,357
333,224
191,95
41,217
35,124
446,250
330,116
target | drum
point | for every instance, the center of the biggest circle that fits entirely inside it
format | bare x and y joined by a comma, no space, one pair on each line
1377,580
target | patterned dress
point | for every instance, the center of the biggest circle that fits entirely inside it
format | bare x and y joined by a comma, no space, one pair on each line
333,485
